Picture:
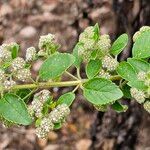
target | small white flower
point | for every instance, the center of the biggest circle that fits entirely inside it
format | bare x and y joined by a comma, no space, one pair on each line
23,75
18,63
30,54
138,95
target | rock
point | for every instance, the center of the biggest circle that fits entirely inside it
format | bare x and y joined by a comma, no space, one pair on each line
5,10
42,142
28,32
52,136
83,144
52,147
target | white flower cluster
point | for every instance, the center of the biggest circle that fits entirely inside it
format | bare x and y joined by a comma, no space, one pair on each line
59,113
104,44
56,116
38,102
138,95
146,106
104,74
8,84
4,54
23,75
109,63
18,63
30,54
46,40
138,33
141,75
45,127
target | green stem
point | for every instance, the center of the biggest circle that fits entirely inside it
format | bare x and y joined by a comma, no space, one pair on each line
68,73
78,73
54,84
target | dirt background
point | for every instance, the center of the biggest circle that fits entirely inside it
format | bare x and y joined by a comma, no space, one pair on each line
24,21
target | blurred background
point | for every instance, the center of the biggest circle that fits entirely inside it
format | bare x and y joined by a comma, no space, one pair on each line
23,21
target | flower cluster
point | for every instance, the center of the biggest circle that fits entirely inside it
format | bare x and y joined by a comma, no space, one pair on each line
90,42
47,45
109,63
30,54
104,74
37,104
138,33
57,115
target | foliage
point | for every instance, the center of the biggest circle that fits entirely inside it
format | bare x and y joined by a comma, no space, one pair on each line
107,82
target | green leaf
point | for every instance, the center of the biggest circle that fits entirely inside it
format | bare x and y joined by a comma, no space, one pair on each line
14,109
96,30
119,44
67,98
15,50
100,91
141,47
118,107
78,59
126,91
55,65
126,71
139,65
57,126
93,68
137,84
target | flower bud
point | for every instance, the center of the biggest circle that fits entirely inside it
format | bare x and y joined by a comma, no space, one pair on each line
23,75
109,63
138,95
18,63
59,113
30,54
146,106
45,127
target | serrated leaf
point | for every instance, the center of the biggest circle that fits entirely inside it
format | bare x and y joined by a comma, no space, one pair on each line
126,71
55,65
15,51
118,107
78,58
139,65
66,98
93,68
141,47
14,109
100,91
119,44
